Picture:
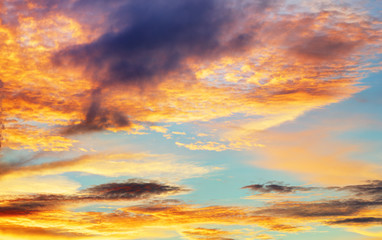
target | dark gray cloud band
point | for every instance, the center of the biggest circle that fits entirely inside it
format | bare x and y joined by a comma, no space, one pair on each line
359,198
277,188
133,189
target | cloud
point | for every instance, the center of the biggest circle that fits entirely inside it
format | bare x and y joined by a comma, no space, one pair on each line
144,165
358,221
324,47
236,68
264,236
37,185
276,188
9,166
157,40
159,129
45,233
20,209
315,155
209,146
282,216
247,65
354,209
29,137
132,189
123,61
372,189
319,209
207,234
226,215
165,215
98,119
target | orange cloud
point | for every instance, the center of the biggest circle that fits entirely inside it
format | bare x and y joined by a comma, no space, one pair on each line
113,165
38,185
159,129
277,78
142,220
277,67
45,212
207,234
24,136
264,236
314,156
210,146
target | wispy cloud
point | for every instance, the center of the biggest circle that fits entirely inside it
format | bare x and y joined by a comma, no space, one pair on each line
277,188
112,165
133,189
315,155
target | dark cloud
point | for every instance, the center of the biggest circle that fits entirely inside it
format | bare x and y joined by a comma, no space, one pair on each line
361,197
358,221
44,232
325,47
158,38
319,209
140,43
146,41
277,188
12,10
98,118
130,190
7,167
373,189
20,207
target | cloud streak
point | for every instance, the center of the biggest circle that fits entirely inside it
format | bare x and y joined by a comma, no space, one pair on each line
141,165
276,188
316,155
132,189
353,209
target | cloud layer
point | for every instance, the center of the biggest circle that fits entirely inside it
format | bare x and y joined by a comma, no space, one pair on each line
132,65
90,90
353,211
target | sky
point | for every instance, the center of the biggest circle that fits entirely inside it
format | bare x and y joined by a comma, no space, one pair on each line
192,119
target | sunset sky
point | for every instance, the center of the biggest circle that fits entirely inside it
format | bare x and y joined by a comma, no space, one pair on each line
191,119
